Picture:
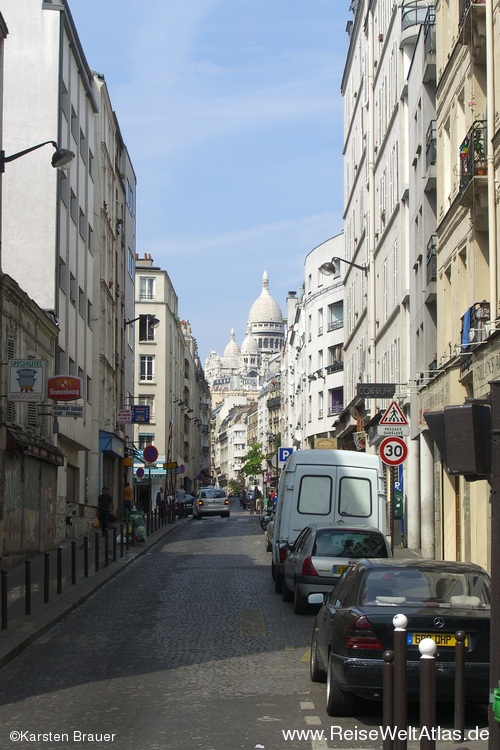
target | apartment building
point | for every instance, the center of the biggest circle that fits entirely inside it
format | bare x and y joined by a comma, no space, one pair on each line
467,267
50,238
171,384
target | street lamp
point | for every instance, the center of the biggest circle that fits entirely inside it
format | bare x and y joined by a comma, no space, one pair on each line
152,321
61,158
330,268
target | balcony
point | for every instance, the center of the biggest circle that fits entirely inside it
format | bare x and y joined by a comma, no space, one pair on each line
472,27
334,367
335,409
429,70
473,188
474,330
431,271
430,157
413,16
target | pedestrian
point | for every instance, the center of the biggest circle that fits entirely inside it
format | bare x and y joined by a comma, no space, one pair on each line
258,499
128,496
180,500
161,504
243,498
104,508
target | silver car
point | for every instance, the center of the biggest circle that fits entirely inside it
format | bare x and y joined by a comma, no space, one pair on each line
211,501
319,556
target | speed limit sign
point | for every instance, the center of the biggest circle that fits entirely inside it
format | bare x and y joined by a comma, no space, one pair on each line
393,451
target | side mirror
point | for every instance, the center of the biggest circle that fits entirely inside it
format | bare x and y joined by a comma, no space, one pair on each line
316,599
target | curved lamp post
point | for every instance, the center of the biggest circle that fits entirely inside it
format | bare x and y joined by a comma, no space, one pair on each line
330,268
61,158
152,321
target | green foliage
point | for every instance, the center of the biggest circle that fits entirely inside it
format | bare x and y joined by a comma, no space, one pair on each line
253,461
234,487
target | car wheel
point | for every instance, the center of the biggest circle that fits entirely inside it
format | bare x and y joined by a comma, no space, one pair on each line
278,582
300,603
269,546
285,592
315,672
338,703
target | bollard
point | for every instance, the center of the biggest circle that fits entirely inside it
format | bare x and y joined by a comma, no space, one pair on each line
114,545
59,570
96,552
388,698
460,683
4,600
127,538
427,648
400,701
86,556
106,548
27,587
121,539
46,578
73,562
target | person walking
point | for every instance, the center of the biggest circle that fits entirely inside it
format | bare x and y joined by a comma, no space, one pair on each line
161,504
104,508
258,500
128,496
180,501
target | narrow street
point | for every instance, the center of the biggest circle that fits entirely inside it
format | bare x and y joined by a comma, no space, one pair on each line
188,649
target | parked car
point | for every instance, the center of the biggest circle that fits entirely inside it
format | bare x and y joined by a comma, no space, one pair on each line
355,626
320,554
211,501
188,505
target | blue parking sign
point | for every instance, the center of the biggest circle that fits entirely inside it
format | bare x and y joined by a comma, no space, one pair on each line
284,454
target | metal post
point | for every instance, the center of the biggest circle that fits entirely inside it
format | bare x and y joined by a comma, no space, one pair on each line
4,600
460,683
114,545
59,570
106,548
96,552
427,648
46,577
392,470
400,701
122,531
494,726
388,699
86,556
27,587
73,562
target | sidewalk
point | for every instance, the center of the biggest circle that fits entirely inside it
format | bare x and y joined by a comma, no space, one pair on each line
22,629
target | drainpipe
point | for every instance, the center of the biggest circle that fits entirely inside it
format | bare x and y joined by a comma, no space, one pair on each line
490,123
371,228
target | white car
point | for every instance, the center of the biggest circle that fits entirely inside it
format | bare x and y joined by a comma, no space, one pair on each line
211,501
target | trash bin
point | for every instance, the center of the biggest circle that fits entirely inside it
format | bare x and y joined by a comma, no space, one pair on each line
138,526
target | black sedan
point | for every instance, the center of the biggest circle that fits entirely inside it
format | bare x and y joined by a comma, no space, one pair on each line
319,556
355,626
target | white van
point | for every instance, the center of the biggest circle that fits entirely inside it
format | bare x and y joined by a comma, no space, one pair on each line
326,487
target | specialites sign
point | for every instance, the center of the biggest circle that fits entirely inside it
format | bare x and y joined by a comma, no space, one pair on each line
64,388
26,380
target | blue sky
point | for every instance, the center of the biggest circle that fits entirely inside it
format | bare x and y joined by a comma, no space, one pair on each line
232,114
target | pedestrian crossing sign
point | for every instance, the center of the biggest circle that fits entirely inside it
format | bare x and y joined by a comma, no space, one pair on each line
393,415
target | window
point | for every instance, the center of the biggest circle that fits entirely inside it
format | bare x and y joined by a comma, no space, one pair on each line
145,440
355,497
146,331
147,367
315,496
146,287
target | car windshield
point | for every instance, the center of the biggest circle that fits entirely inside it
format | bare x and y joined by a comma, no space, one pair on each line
213,493
353,544
442,588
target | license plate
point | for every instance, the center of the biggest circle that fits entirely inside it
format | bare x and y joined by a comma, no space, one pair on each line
338,568
440,639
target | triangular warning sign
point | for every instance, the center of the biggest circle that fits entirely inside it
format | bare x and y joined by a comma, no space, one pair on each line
393,415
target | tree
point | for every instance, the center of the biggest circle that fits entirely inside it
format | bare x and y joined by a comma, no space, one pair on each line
252,466
235,487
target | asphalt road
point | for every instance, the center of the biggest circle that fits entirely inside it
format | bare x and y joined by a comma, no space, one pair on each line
189,648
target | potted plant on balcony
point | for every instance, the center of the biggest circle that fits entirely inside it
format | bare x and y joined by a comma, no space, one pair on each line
480,163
